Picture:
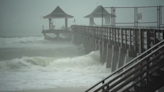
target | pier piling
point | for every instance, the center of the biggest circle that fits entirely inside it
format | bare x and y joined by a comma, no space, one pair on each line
117,46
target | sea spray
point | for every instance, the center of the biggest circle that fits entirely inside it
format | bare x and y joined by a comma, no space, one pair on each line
87,62
21,39
44,72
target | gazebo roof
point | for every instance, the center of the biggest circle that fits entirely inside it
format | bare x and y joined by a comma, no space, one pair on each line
97,13
58,13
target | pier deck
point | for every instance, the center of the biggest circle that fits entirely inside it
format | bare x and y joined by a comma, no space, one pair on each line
58,31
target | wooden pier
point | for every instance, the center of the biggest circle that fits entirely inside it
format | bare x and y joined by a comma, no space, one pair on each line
132,53
117,46
120,47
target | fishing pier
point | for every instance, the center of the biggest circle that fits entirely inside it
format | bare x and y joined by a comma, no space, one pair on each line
135,53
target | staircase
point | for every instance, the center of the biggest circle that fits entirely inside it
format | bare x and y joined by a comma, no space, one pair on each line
145,73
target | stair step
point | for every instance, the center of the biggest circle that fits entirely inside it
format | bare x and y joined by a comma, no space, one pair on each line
143,83
143,88
160,72
156,74
152,77
162,69
105,90
127,91
136,88
130,91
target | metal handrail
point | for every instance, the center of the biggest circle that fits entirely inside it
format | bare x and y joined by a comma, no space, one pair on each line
160,66
129,63
86,30
133,66
98,33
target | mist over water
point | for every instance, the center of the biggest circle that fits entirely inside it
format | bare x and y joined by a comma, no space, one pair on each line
28,62
34,63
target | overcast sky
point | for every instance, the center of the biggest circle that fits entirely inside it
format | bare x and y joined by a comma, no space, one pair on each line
26,15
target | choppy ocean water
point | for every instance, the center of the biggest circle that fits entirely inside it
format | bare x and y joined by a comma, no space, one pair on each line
34,63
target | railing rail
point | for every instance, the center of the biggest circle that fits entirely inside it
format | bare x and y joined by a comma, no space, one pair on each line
143,41
136,63
123,67
136,39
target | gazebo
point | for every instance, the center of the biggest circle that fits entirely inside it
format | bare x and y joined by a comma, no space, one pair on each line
99,12
58,13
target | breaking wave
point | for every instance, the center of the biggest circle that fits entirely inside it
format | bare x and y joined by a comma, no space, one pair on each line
21,39
89,62
24,42
28,73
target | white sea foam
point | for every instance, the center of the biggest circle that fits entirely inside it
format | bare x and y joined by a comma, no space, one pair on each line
31,42
21,39
43,72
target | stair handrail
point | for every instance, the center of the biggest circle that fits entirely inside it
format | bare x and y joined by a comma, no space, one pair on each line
129,68
157,68
129,63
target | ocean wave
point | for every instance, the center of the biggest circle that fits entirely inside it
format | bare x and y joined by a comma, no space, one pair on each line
89,62
20,40
29,73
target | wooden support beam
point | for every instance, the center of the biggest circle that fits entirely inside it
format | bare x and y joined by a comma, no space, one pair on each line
66,23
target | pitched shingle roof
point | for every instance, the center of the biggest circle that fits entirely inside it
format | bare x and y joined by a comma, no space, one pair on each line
99,12
58,13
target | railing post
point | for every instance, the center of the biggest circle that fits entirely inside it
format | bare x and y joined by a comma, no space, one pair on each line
118,39
140,42
121,37
148,41
107,29
109,35
148,38
125,38
130,43
136,40
114,36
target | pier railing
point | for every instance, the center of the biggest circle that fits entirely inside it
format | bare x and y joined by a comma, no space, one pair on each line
147,42
137,16
136,39
134,73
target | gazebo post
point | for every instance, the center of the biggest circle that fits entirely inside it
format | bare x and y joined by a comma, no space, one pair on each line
91,21
107,21
113,20
66,23
50,23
